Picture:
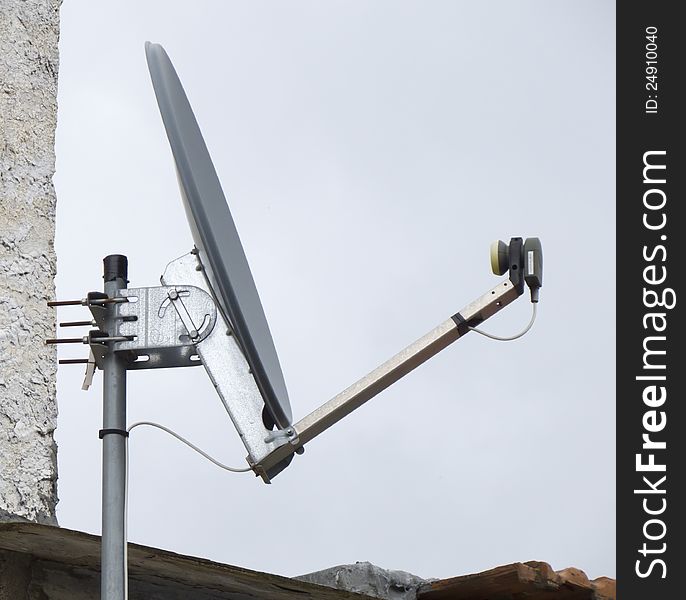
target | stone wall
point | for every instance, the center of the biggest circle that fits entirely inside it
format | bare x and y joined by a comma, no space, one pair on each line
29,31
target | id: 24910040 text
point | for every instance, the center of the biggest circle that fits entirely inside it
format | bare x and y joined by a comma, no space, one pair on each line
651,70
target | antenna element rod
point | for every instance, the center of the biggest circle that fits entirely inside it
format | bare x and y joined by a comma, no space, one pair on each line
66,303
79,340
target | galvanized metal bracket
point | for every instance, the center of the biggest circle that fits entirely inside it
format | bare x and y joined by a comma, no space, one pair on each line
228,369
178,324
287,435
157,327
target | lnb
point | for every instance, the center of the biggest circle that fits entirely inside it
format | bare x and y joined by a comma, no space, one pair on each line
524,261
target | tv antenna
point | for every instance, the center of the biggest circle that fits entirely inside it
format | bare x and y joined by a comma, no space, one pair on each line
207,312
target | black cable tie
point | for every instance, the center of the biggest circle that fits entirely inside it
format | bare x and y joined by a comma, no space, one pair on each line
103,432
462,325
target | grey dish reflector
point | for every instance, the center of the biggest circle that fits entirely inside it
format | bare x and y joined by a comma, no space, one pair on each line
214,232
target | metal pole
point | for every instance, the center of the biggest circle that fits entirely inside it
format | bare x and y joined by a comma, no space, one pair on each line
113,583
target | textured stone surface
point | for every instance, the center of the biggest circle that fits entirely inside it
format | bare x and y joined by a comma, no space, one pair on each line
366,578
28,113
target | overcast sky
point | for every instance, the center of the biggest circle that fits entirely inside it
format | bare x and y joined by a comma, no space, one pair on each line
370,153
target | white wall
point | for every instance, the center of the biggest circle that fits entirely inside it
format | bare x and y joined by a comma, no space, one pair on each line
29,31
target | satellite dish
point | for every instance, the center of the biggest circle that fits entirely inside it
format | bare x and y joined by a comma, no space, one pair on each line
219,247
207,311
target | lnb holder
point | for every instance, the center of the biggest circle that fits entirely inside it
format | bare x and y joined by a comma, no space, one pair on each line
524,261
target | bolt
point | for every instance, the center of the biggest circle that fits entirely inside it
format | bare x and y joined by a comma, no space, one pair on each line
173,294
